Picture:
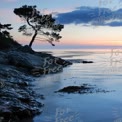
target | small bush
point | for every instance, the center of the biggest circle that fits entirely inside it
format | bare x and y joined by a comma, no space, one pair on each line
7,42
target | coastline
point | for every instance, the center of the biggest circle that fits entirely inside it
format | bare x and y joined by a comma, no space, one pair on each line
19,67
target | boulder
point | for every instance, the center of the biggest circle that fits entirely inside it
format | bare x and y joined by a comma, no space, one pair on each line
24,60
3,59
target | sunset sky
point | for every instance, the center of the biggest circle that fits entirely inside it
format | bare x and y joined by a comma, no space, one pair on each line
87,23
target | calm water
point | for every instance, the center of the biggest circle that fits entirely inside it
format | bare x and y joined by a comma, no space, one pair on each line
105,72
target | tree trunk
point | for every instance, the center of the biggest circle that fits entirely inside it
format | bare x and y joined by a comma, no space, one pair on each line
33,38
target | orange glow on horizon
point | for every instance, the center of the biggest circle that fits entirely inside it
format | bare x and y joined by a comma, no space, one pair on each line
89,43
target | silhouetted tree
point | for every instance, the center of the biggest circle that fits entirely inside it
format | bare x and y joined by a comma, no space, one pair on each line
6,40
43,25
4,28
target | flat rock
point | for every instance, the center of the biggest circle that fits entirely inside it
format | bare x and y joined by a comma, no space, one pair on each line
83,89
79,61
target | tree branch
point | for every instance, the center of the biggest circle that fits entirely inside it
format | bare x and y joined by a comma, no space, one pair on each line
30,24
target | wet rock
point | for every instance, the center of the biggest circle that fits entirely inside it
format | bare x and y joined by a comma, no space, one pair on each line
83,89
74,89
19,102
22,83
79,61
17,98
36,64
20,59
25,49
87,62
3,59
63,62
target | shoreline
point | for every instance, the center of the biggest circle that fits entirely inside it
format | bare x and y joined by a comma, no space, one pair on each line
19,68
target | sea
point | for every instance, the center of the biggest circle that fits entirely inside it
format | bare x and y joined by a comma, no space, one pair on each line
105,73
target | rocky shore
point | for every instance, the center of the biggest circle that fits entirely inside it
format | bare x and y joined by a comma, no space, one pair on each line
18,68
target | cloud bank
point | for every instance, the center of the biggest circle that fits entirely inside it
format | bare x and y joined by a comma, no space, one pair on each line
92,16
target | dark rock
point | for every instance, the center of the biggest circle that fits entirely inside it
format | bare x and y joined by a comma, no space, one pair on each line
19,60
36,64
63,62
87,62
3,59
74,89
25,49
79,61
83,89
23,83
17,99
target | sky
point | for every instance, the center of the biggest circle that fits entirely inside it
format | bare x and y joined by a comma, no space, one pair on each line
87,23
